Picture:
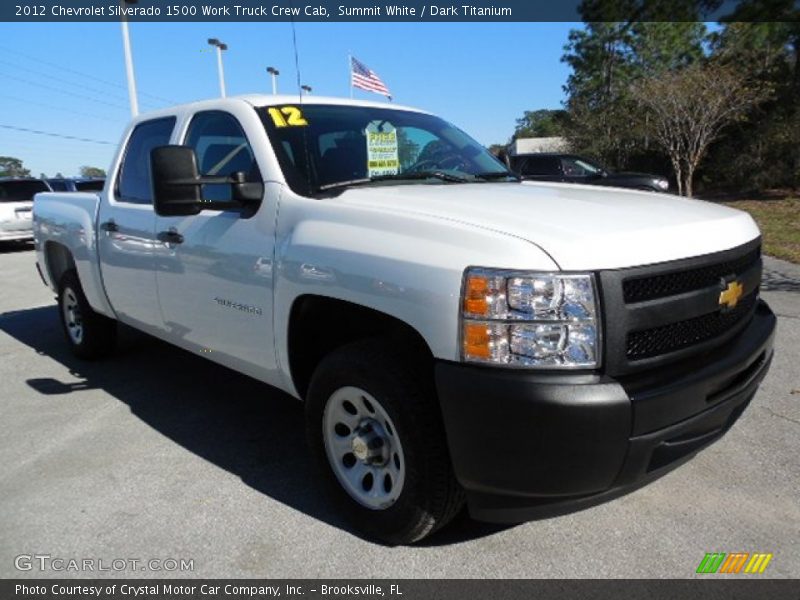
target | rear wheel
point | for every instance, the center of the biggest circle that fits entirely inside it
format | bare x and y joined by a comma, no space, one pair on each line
89,334
376,432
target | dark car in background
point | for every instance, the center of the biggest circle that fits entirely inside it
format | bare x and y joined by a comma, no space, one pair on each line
16,202
571,168
77,184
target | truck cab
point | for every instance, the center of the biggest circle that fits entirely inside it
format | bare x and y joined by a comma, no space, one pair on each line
457,336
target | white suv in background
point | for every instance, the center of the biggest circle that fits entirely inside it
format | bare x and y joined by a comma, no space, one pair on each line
16,204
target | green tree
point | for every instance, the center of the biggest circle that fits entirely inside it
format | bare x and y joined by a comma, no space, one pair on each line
87,171
607,59
762,151
12,167
541,123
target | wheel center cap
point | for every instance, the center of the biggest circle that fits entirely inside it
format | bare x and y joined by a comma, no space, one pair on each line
360,448
369,444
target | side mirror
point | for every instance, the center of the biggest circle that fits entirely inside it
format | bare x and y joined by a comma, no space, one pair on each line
177,185
175,188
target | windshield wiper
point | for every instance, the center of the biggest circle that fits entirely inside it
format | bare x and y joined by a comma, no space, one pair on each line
442,175
497,175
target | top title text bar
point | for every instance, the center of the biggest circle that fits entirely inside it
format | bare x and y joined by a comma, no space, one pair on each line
376,11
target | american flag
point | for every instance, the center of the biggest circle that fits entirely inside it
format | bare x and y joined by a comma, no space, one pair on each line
362,77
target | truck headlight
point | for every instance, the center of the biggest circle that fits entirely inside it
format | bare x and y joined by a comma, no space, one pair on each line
520,319
662,184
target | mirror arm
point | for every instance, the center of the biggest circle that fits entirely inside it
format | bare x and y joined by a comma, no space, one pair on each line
203,181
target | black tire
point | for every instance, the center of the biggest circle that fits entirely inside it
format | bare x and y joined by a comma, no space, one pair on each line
98,333
430,495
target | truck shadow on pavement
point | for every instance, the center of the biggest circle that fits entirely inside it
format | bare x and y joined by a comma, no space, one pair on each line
237,423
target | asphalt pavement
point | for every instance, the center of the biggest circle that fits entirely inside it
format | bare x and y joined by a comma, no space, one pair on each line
159,454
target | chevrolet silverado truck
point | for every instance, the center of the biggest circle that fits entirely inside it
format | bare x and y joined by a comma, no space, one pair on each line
458,336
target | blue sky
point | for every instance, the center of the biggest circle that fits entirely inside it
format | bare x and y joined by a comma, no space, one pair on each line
69,78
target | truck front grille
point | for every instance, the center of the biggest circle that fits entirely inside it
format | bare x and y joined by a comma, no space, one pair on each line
639,289
683,334
657,314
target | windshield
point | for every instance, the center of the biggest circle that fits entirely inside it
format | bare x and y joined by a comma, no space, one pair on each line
17,191
326,147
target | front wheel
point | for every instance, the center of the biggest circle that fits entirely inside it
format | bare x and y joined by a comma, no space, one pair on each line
89,334
376,432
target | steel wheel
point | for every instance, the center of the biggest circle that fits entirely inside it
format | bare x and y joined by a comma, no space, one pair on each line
363,448
72,316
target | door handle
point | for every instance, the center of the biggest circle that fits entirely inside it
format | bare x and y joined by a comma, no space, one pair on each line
170,237
109,226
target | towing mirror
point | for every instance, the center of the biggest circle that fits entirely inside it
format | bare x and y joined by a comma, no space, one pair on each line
177,185
176,191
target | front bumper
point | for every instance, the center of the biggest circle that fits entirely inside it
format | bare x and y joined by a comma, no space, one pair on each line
526,444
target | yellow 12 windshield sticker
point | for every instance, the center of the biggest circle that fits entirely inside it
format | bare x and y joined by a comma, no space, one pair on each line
287,116
382,151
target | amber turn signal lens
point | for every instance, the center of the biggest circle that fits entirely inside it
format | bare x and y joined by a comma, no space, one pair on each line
475,293
477,338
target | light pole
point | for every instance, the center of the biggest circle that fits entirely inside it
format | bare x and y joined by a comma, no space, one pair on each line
126,44
306,89
274,73
220,47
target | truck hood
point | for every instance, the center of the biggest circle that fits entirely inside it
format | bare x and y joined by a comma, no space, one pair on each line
580,227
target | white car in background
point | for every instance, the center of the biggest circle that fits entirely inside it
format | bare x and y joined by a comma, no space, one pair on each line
16,204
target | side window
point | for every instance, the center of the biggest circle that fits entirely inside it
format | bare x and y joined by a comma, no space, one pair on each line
541,166
575,168
222,150
134,181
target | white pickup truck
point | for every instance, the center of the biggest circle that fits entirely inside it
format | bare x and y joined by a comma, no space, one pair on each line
457,336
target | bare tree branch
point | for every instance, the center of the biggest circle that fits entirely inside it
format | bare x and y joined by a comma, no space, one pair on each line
688,109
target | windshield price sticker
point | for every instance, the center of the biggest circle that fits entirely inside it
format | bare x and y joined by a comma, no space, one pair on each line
287,116
382,153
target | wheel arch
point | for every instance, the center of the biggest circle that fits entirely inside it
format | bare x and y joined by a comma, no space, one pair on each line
318,325
58,260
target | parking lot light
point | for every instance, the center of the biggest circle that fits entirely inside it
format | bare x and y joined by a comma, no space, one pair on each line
126,44
274,74
220,46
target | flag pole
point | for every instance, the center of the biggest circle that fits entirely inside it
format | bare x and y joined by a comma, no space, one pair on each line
350,72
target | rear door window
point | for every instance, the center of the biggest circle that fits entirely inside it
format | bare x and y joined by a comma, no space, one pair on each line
541,166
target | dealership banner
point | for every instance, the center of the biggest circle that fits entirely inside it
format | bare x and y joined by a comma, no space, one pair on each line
400,589
376,11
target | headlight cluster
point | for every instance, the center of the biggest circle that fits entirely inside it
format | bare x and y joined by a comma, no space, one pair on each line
662,184
546,320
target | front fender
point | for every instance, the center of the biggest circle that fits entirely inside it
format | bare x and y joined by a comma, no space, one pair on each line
407,266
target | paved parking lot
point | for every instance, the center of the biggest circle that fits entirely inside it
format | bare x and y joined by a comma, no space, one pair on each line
160,454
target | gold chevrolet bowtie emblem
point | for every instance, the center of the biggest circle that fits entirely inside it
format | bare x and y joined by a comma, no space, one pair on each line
729,297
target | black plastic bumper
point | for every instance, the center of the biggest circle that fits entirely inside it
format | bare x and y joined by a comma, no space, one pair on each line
526,445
